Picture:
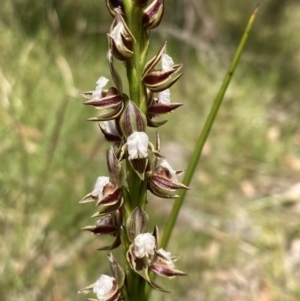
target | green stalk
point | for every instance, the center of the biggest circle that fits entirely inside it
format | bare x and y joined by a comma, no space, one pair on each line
137,91
205,132
135,66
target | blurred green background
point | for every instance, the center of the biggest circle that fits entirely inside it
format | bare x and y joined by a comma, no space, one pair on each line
238,234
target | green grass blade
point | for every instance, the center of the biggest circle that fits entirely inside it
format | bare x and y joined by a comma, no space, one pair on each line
205,132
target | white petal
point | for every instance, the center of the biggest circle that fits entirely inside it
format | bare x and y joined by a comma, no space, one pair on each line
138,145
116,33
164,253
100,84
167,255
110,127
99,186
165,164
166,62
103,286
164,97
96,94
144,245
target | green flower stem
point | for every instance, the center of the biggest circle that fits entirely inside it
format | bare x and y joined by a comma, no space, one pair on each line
137,90
135,65
137,195
205,132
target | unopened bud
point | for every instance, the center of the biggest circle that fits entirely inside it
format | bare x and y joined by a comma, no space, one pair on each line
132,120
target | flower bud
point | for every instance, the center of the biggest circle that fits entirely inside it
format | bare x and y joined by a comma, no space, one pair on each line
120,39
153,14
132,120
136,223
114,167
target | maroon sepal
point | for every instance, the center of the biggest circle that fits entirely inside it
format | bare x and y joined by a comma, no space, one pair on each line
160,86
109,99
160,192
111,195
154,61
167,184
164,270
157,76
115,112
104,226
164,266
155,124
157,108
153,14
104,210
159,80
114,245
139,165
